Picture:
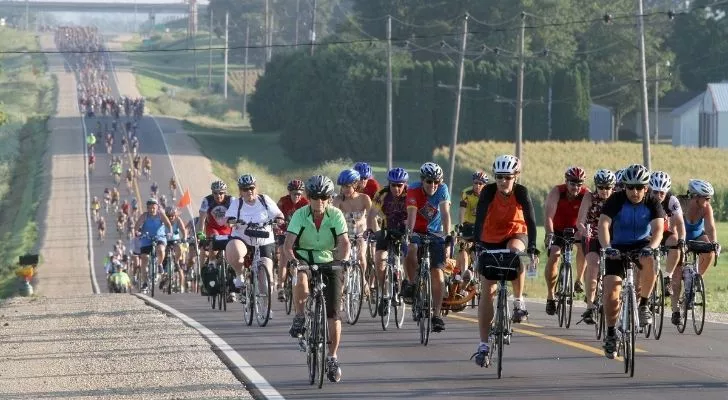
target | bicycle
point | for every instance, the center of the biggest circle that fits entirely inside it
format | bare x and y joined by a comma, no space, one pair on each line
656,301
422,305
152,264
693,293
287,282
464,238
220,299
256,287
565,281
389,289
501,265
370,277
598,313
315,339
353,283
171,269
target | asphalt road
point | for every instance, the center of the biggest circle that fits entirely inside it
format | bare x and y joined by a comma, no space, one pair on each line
543,361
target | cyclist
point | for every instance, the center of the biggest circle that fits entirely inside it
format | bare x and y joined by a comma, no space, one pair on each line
163,201
119,281
628,217
107,198
154,188
256,208
212,221
95,207
179,235
125,207
129,178
91,141
355,207
390,204
288,205
91,161
151,227
172,186
674,232
562,209
619,186
504,219
147,165
699,225
115,197
134,206
101,226
313,234
367,185
137,163
124,144
466,216
589,211
428,211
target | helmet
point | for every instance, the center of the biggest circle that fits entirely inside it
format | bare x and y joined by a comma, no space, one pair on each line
619,174
151,201
575,174
397,175
348,177
700,188
480,176
319,185
364,170
246,180
430,170
154,184
660,181
218,186
170,210
506,164
295,184
636,174
605,177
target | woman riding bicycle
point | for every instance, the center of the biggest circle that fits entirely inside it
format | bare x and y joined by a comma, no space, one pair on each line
151,228
179,235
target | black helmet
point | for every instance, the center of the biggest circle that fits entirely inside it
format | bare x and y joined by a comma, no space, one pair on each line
319,185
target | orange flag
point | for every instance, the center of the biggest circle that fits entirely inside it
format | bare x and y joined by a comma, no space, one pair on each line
185,200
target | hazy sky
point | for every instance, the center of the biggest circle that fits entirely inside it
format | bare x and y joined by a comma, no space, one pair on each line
118,1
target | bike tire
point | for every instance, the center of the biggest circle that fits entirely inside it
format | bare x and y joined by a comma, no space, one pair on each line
698,304
500,332
373,299
427,309
288,290
153,269
683,312
560,297
629,337
262,296
569,297
311,343
249,306
170,272
355,295
222,294
659,313
322,339
381,291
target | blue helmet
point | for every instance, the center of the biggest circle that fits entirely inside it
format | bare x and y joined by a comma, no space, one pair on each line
397,175
364,170
348,177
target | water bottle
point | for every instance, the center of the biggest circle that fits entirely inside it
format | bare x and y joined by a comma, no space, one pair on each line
688,273
531,271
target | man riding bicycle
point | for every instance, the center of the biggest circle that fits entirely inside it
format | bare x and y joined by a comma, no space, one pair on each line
314,233
288,204
630,221
212,221
152,227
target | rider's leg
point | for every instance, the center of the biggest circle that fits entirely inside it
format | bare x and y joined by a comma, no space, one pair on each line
485,308
235,252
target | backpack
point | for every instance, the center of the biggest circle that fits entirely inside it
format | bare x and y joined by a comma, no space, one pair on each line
210,280
261,198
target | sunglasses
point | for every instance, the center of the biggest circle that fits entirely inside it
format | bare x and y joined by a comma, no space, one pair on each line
319,197
504,177
219,193
604,187
247,189
396,184
576,183
432,182
634,187
705,198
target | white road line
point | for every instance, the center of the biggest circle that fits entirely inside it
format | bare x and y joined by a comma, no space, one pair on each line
94,282
236,362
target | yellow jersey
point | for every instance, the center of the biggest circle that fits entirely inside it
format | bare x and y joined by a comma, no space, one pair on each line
469,201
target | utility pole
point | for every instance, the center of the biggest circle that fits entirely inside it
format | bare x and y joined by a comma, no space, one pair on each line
209,63
657,101
645,107
458,98
298,12
245,65
519,89
313,27
267,31
225,73
270,37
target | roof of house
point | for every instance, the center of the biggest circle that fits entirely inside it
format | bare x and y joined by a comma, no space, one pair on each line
676,99
694,102
719,94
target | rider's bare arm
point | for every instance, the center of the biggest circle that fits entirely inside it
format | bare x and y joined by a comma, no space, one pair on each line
583,211
552,200
710,223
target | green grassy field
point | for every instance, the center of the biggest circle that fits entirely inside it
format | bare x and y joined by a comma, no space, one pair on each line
28,96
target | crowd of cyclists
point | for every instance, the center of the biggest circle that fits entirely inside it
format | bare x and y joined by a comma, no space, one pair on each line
625,218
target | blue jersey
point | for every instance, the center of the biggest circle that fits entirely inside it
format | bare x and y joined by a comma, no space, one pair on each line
694,230
429,218
631,222
153,227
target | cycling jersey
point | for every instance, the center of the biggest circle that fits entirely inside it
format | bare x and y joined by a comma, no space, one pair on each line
153,227
567,210
469,201
694,230
631,222
672,207
500,218
371,188
316,245
216,223
592,215
393,208
288,207
255,213
428,207
176,236
120,279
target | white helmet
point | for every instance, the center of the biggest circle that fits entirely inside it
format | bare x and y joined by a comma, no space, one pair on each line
506,164
660,181
618,175
700,188
636,174
430,170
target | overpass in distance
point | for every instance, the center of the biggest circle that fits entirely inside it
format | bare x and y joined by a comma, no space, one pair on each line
159,6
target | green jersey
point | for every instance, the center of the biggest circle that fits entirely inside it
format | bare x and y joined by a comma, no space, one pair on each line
316,245
120,279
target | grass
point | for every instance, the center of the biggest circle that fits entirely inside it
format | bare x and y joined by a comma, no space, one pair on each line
28,97
169,82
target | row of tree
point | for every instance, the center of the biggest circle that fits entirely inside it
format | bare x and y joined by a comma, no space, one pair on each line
330,105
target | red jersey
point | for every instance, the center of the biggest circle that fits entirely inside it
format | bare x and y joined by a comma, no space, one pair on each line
567,210
216,223
371,188
288,207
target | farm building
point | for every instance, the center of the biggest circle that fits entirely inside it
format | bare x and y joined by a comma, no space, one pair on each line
713,116
685,122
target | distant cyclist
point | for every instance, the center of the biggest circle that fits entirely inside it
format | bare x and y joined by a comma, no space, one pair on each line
288,204
367,185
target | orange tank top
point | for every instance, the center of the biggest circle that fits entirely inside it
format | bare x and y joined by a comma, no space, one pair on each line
503,220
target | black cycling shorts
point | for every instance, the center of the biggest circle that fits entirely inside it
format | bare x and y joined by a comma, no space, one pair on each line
614,267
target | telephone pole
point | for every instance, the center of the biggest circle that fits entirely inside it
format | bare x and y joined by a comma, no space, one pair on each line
225,73
313,27
245,65
643,88
657,100
519,89
298,12
267,31
209,63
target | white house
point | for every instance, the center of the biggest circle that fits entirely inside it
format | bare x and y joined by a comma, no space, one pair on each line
713,117
685,121
664,121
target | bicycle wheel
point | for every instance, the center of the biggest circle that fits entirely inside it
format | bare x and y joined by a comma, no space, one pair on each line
500,331
170,271
629,336
658,306
698,311
322,339
354,296
288,290
153,271
560,296
222,300
598,313
384,295
683,311
249,305
373,299
262,295
426,309
311,339
568,296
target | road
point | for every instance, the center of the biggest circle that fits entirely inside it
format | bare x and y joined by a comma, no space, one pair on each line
543,362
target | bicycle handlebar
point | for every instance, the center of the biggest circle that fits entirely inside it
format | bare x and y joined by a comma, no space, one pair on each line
318,267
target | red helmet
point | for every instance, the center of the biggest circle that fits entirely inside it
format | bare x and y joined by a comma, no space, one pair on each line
575,174
295,185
